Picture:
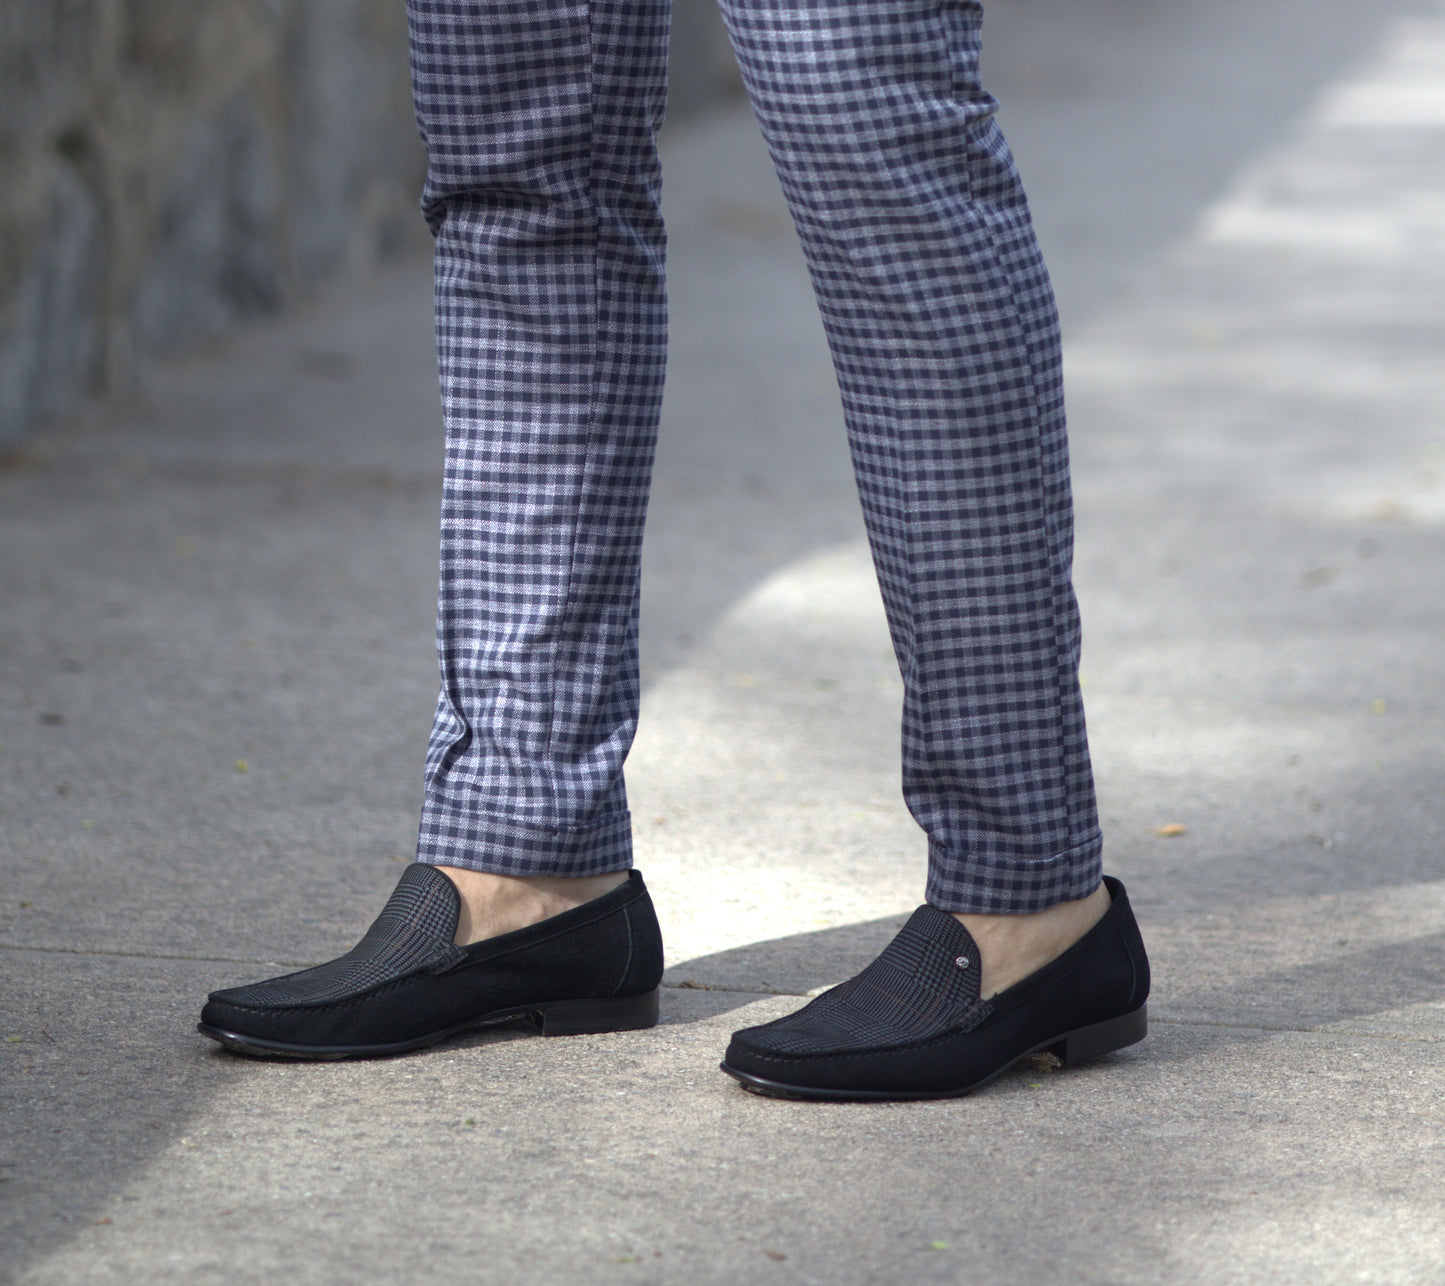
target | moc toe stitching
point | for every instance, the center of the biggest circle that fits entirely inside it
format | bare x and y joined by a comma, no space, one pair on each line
844,1055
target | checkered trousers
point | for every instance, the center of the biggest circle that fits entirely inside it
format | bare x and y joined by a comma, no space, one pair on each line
542,192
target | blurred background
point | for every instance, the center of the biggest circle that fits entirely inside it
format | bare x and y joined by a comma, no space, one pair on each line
172,169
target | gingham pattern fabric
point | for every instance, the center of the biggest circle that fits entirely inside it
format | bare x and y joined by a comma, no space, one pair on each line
925,983
413,931
945,340
539,119
542,192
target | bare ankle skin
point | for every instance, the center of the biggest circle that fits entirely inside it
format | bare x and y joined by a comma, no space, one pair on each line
1014,946
496,904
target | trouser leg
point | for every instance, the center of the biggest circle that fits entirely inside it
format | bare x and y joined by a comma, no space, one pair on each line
542,192
941,320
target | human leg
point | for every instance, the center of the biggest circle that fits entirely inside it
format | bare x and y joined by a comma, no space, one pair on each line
542,193
941,321
542,187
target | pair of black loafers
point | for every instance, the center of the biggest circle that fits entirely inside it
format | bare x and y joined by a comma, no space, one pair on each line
910,1026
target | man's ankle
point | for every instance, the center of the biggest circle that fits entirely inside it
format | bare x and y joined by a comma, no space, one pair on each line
1011,947
496,904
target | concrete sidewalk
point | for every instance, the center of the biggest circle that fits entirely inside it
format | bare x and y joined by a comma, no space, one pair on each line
216,678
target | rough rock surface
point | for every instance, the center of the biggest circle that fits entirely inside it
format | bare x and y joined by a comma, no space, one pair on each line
172,169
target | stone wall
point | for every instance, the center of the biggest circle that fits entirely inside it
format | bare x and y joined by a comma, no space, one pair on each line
172,168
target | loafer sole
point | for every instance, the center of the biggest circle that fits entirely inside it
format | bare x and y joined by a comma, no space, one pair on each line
555,1017
1071,1047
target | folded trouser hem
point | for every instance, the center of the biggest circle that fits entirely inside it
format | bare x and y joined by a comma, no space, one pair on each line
502,846
1005,884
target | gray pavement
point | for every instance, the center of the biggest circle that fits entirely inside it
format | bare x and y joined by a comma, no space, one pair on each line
216,679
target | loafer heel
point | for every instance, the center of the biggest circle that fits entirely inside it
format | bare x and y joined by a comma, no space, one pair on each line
1102,1038
588,1017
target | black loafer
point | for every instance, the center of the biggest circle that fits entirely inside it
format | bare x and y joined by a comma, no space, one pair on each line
912,1025
406,984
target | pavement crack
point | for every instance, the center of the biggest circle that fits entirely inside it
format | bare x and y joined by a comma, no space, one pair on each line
688,985
159,955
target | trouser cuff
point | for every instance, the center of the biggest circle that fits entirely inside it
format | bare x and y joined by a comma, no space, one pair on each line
500,846
1005,884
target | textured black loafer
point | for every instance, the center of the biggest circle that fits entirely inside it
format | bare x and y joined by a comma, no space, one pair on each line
912,1025
406,983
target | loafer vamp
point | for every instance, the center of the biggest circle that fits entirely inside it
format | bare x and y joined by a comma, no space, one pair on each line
414,931
923,989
